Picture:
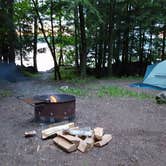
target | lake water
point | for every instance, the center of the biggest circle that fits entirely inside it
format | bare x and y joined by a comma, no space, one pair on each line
44,60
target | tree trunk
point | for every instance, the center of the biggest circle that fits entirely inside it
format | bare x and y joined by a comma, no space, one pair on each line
11,33
57,75
83,53
56,71
126,36
110,32
100,54
35,40
163,45
60,36
150,48
76,32
141,46
20,45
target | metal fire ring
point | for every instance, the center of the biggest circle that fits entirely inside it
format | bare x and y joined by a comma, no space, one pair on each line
63,109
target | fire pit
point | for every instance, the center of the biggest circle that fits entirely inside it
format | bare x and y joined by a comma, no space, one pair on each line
46,110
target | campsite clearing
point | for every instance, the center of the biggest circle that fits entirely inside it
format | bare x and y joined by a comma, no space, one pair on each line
137,126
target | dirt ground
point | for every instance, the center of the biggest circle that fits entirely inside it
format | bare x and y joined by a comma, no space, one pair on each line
138,128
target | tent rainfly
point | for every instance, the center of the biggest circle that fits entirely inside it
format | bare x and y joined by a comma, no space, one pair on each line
156,75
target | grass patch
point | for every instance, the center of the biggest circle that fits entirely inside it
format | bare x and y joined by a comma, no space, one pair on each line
121,92
5,93
68,73
80,81
125,78
72,91
29,74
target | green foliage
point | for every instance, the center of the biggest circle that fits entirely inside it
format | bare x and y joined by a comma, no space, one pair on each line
73,90
68,73
115,91
31,75
80,81
5,93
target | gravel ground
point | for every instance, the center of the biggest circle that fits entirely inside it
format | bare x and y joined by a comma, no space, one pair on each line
137,126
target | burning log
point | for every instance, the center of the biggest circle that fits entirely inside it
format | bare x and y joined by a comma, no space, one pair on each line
53,99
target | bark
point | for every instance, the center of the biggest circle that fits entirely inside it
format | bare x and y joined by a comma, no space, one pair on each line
163,45
8,36
83,53
61,61
100,53
56,67
20,45
141,44
110,32
150,48
76,32
11,33
35,41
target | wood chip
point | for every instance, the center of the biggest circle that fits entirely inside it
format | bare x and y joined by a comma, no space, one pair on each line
30,133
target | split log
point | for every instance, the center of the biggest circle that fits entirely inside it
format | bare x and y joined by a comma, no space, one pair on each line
105,140
64,144
87,132
52,131
86,145
98,133
83,146
70,138
30,133
90,142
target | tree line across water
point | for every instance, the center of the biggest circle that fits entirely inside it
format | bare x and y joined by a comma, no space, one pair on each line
101,37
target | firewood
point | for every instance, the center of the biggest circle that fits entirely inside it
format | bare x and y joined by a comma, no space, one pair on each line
83,146
98,133
70,138
87,132
105,140
90,142
64,144
52,131
86,145
30,133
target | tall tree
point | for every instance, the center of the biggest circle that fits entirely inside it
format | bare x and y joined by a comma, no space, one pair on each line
35,39
7,30
83,51
51,42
